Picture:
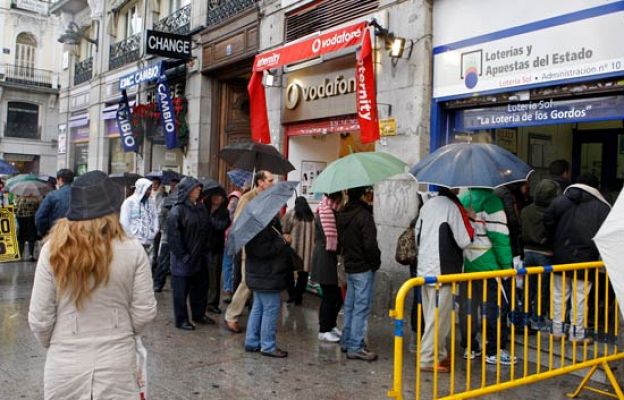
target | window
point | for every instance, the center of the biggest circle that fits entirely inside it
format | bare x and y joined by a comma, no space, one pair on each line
22,120
134,23
25,47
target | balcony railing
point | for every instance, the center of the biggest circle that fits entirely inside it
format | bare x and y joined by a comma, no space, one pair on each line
179,22
83,71
222,10
126,51
28,76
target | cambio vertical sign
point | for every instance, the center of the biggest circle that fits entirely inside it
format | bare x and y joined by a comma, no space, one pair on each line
324,43
123,115
167,114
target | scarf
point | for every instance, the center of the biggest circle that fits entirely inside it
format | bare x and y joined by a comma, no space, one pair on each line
328,222
451,196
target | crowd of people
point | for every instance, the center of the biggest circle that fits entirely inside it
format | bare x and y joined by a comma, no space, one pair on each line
492,229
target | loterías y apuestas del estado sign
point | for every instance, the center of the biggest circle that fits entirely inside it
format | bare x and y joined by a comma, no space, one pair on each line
168,45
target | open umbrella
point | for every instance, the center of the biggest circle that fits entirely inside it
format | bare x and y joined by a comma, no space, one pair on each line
477,165
7,169
125,179
258,213
240,177
610,242
30,188
357,169
255,157
208,184
22,178
165,176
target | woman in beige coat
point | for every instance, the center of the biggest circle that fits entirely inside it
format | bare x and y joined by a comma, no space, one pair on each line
92,294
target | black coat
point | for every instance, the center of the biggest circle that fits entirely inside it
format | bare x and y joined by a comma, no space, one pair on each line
357,237
219,221
324,268
571,221
187,232
269,263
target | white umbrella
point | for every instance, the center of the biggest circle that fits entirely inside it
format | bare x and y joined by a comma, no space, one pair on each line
610,243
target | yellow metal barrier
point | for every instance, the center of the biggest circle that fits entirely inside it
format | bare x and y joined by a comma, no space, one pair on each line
599,347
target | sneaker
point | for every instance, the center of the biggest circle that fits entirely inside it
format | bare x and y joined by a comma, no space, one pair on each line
581,340
362,354
337,331
505,359
328,337
473,354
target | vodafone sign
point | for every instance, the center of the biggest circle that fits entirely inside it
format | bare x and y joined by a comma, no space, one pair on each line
335,40
324,43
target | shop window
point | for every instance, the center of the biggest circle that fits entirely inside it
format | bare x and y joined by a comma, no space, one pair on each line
81,158
25,48
325,14
120,161
22,120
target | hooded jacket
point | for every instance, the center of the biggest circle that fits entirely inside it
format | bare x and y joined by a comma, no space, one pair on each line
491,248
357,236
187,232
53,207
138,214
572,220
440,235
534,234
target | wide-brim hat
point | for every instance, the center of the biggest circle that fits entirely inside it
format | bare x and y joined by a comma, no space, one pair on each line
94,195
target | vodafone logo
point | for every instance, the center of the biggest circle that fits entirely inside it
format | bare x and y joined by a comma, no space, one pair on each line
337,39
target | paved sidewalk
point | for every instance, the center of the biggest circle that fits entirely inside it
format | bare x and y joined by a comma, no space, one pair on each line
210,363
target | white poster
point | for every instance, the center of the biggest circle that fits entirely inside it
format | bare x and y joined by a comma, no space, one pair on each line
576,45
309,171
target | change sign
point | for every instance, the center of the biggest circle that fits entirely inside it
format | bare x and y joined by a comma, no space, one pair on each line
9,250
168,45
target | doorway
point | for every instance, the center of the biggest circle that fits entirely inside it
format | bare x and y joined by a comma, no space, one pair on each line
601,153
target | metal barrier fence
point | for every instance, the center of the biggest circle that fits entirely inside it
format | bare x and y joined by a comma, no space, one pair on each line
590,340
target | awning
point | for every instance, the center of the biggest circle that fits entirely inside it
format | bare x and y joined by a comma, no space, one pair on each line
323,127
79,120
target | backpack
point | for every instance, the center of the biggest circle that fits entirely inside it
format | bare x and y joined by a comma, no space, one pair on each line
406,249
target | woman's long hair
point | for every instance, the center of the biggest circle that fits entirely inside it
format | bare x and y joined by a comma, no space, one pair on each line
81,253
303,212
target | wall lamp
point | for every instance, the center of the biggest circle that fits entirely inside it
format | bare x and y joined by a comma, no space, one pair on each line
74,34
394,44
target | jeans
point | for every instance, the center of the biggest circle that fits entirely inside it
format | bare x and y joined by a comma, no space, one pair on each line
262,323
533,259
357,308
228,273
330,307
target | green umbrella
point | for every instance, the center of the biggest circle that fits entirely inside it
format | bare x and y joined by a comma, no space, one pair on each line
355,170
21,178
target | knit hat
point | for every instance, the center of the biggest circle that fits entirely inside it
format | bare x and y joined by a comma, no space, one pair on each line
94,195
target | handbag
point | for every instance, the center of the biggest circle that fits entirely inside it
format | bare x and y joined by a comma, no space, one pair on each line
406,249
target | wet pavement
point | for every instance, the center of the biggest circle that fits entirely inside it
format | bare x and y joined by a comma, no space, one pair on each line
210,363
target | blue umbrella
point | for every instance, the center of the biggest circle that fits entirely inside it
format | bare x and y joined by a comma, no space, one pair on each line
240,177
258,213
478,165
7,169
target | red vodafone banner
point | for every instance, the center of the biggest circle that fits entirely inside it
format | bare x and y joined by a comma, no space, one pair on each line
353,35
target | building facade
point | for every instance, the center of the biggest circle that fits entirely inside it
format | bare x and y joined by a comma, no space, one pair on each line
29,86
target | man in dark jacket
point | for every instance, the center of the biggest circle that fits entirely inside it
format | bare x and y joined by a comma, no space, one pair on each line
55,204
187,228
572,220
219,217
357,235
559,171
268,269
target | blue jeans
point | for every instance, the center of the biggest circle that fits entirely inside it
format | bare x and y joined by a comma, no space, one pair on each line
357,308
533,259
262,323
228,273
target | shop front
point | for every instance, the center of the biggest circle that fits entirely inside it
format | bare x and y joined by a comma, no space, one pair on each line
543,88
319,119
79,132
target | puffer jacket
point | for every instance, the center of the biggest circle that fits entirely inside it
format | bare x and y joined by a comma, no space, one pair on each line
138,214
53,207
269,265
534,234
187,232
357,236
572,220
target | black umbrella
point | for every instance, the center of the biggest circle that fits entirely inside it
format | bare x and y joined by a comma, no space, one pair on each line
208,184
255,157
165,176
125,179
258,213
